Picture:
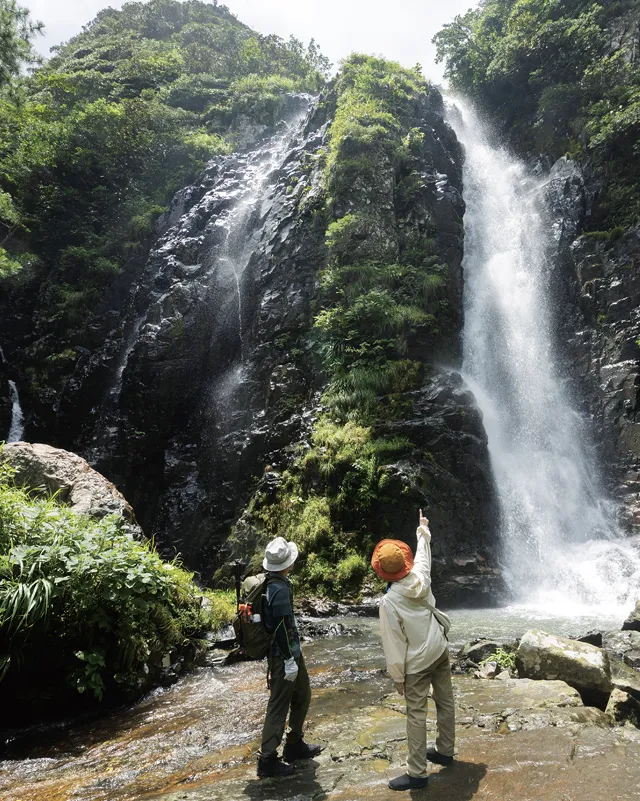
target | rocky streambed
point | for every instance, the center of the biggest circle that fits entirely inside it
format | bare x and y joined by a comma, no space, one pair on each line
517,738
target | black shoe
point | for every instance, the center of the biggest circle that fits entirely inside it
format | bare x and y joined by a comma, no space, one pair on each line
268,768
300,750
437,758
406,782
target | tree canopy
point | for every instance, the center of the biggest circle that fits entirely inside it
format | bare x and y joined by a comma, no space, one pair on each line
17,32
94,143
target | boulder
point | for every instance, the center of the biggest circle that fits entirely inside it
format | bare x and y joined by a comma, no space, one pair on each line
623,708
477,650
582,666
591,637
487,671
632,658
632,623
318,607
624,678
619,643
41,467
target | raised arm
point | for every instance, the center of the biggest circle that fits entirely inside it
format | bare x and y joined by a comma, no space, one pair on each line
422,561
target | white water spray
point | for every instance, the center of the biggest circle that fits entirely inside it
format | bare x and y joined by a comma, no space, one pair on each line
16,429
561,546
252,198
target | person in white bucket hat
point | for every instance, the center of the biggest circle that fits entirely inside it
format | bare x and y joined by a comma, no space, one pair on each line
289,680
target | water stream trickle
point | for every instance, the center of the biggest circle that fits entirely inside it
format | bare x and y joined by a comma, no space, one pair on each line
252,202
16,429
561,544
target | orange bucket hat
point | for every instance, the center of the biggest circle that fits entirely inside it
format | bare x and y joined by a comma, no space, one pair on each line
392,559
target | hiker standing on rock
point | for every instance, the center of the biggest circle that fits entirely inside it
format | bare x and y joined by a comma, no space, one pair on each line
415,647
289,680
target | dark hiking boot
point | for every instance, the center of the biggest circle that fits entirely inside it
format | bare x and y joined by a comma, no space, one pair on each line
300,750
406,782
438,759
269,768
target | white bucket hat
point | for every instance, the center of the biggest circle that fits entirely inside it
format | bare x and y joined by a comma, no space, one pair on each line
279,555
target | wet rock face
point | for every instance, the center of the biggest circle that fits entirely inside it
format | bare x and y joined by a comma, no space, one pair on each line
632,623
215,376
457,480
597,289
76,483
216,380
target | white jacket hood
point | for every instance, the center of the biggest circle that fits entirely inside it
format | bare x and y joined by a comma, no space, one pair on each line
411,586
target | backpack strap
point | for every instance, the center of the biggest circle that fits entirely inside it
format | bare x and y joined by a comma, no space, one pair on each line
443,619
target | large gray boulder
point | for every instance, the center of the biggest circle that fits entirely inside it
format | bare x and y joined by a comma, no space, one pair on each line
632,623
580,665
41,467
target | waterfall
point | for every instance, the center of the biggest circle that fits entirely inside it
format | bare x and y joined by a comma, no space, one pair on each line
16,429
561,546
252,199
218,223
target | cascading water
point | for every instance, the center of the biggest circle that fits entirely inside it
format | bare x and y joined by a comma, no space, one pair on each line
221,230
561,544
16,429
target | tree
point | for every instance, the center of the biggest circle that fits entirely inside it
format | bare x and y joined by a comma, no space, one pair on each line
17,32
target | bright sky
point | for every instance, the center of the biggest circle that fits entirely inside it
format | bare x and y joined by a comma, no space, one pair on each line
398,29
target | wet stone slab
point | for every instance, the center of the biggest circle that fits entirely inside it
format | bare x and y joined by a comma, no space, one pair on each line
517,739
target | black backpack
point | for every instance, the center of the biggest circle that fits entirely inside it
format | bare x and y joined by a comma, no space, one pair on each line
252,635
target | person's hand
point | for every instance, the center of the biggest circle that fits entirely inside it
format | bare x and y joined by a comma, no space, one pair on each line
290,669
399,687
424,521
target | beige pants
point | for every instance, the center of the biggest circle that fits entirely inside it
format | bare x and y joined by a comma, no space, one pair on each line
416,689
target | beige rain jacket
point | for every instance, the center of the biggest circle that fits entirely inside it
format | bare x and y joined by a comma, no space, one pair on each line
411,636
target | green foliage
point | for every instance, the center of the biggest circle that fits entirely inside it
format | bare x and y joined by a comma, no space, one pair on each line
554,72
221,607
378,291
17,32
94,609
374,103
506,660
94,144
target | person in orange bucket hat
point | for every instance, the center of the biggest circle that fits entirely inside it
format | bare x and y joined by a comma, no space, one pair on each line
416,650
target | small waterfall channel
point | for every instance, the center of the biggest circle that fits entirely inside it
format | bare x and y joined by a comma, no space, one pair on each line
560,541
207,240
16,428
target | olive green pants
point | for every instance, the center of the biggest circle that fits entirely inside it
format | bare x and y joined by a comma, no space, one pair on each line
416,690
287,698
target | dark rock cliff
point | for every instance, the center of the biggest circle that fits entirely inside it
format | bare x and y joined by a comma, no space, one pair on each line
210,380
597,302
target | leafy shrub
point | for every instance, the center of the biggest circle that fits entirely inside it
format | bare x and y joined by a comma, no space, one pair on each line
93,609
222,607
506,660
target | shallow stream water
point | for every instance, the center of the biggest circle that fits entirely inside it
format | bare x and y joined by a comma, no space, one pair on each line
208,722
